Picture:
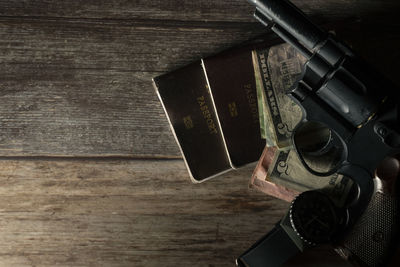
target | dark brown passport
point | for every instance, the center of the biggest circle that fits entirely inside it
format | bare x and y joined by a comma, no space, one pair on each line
232,84
187,103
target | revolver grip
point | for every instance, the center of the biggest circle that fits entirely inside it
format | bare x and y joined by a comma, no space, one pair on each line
374,238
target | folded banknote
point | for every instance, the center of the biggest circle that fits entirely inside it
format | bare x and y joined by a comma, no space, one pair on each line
276,69
281,174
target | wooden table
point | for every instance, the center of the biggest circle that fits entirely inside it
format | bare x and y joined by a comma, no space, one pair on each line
90,174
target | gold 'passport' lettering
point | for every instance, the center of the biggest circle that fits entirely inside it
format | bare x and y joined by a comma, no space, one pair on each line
251,98
207,115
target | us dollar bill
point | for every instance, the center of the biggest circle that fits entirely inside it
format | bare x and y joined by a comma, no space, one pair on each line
266,124
276,70
258,179
286,169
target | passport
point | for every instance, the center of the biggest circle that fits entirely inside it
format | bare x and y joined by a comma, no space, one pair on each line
186,100
231,81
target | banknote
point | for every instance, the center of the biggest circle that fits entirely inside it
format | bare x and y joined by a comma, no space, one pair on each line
266,125
276,70
260,181
280,174
287,170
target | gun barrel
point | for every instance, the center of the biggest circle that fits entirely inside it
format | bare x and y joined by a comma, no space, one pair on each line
292,20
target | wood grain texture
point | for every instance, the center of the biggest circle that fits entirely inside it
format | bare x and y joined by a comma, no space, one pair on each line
75,86
129,213
202,10
76,76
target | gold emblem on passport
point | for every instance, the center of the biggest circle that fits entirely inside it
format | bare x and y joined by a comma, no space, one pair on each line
233,109
188,122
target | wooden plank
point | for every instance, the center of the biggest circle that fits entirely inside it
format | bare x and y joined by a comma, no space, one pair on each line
202,10
137,46
129,213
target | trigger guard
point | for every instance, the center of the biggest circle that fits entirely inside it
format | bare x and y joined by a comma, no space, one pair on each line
366,186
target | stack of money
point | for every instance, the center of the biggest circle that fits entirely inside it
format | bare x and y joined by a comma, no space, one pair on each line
280,172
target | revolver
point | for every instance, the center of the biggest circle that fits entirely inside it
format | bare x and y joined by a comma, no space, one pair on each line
350,125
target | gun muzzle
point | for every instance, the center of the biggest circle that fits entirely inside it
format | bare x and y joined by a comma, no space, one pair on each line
292,20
